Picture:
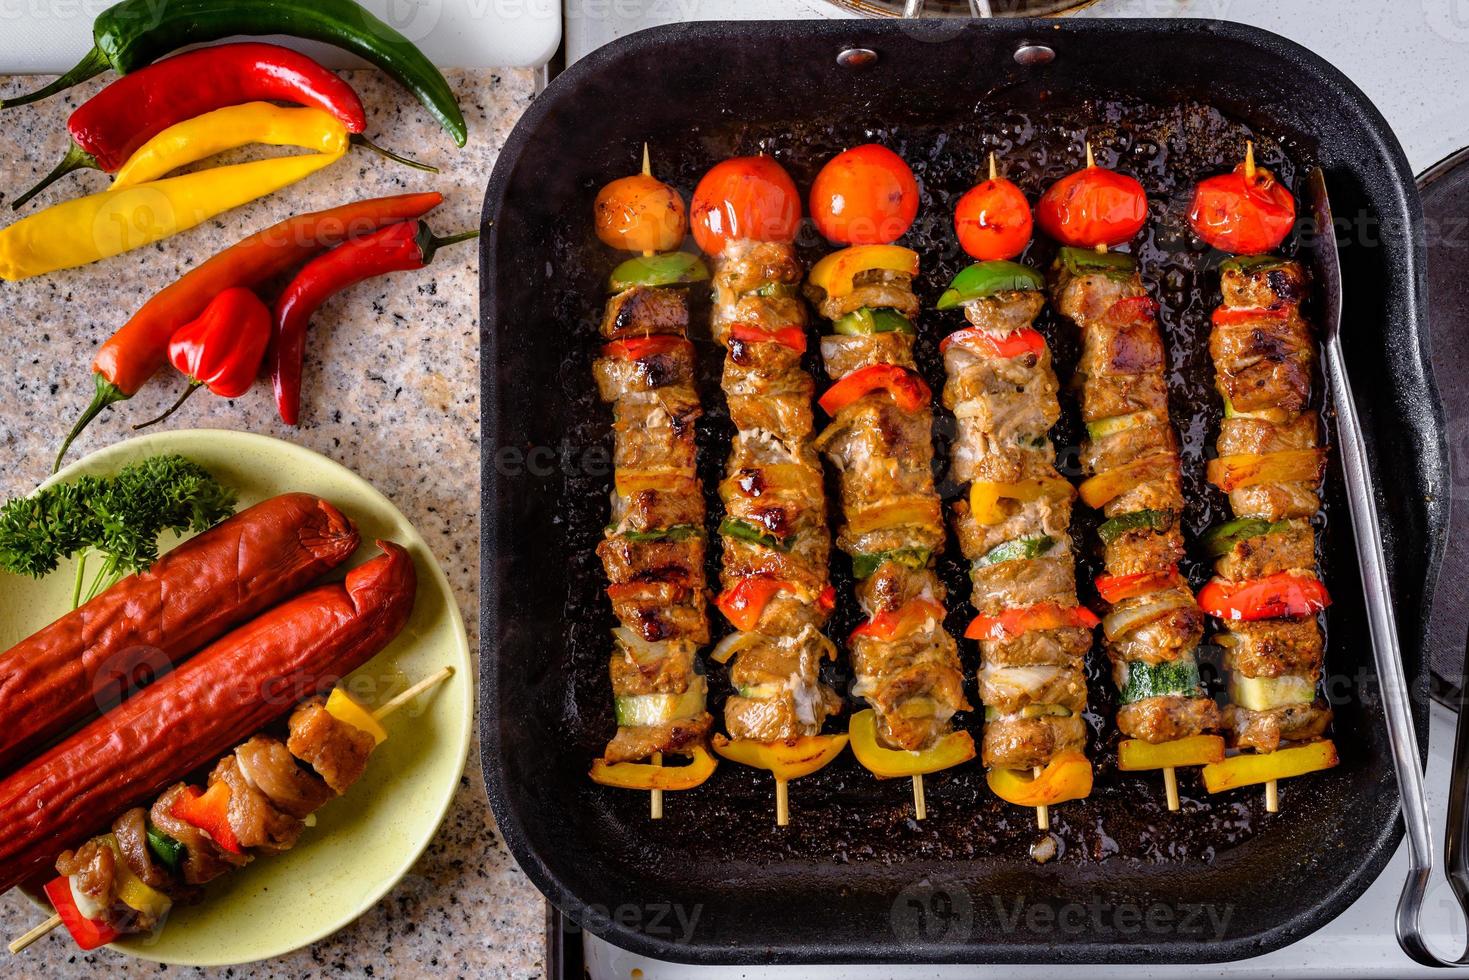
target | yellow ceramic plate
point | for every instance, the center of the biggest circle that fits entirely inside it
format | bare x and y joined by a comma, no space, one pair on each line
365,842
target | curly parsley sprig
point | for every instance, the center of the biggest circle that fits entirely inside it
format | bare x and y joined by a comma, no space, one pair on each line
119,518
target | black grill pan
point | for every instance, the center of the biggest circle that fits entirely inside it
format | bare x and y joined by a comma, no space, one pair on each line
854,878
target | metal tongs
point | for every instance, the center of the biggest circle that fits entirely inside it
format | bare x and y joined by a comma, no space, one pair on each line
1382,622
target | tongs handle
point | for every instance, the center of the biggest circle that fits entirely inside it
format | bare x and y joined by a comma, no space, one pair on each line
1402,736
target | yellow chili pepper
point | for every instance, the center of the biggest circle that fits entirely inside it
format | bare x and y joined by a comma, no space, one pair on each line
985,496
341,706
1249,768
99,226
1135,755
1068,776
886,763
225,129
785,760
646,776
834,273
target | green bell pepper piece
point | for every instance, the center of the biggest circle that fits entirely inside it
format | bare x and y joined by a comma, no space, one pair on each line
865,320
667,269
988,278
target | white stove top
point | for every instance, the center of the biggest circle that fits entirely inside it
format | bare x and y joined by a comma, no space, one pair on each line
1412,60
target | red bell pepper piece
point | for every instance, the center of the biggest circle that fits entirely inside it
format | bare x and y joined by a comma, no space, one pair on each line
792,336
209,811
1042,616
86,933
908,390
637,348
1133,308
1272,597
827,601
743,603
396,248
1226,315
222,348
902,621
1023,341
1115,588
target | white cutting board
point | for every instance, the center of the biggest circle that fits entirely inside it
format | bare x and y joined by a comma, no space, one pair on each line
48,36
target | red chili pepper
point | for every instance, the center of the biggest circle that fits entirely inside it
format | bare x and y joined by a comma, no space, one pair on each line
1023,341
827,601
793,337
1246,212
746,600
637,348
908,389
111,125
1272,597
396,248
1093,207
902,621
210,812
222,348
1227,315
1133,308
1042,616
86,933
1115,588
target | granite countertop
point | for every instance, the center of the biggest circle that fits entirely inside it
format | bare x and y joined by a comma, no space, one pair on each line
391,390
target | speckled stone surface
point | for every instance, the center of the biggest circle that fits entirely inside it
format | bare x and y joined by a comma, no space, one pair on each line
391,390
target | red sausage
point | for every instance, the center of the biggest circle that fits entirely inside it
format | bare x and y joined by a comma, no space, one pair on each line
221,697
142,627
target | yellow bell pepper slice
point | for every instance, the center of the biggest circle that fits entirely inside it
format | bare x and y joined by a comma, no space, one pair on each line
1251,469
834,273
886,763
1103,488
1068,776
646,776
1249,768
1135,755
132,890
225,129
785,760
630,482
343,707
904,512
985,496
99,226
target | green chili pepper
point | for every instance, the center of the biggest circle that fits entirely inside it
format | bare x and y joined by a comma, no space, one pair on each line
1086,261
169,852
1253,263
745,531
135,33
1020,548
864,565
1222,539
988,278
1157,521
668,269
865,320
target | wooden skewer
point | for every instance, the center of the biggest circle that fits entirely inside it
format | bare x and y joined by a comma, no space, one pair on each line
782,803
1043,812
655,796
993,172
1272,797
647,172
920,805
1249,160
1170,786
386,708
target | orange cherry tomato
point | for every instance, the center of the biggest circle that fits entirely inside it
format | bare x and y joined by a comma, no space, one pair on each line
993,220
745,198
640,214
865,196
1245,215
1092,207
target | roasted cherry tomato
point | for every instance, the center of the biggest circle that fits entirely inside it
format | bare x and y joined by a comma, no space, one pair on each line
640,214
993,220
865,196
745,198
1246,212
1092,207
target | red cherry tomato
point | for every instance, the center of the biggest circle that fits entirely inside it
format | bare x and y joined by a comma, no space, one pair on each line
745,198
640,214
865,196
1093,207
992,220
1245,215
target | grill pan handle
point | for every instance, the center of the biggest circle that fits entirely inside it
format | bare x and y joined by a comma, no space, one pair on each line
1382,623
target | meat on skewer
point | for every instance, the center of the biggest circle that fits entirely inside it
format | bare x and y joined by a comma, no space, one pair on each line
1153,626
880,444
1270,462
1013,523
653,551
776,590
